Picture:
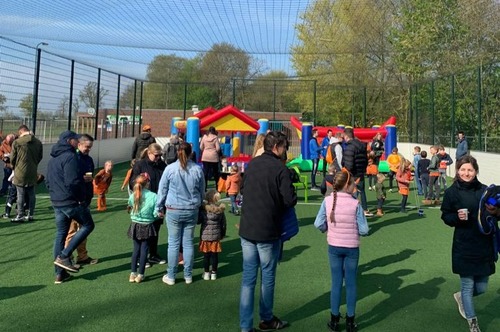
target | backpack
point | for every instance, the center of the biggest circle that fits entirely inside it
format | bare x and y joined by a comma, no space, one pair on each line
488,224
170,153
331,157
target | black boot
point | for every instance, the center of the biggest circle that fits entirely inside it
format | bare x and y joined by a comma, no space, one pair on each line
334,324
350,324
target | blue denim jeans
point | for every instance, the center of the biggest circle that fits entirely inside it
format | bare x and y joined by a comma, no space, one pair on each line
180,226
343,265
472,286
64,215
234,207
255,255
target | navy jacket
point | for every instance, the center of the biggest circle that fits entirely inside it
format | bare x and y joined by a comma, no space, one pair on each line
64,177
355,159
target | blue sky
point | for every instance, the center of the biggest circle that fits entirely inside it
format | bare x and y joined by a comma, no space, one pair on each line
124,36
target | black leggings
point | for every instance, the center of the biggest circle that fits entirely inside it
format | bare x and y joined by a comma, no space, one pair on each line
209,169
153,240
210,256
140,255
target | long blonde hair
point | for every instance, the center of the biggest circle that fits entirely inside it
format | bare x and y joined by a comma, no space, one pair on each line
153,148
340,181
141,182
259,143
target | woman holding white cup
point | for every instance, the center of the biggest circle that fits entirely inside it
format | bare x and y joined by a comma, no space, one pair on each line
472,252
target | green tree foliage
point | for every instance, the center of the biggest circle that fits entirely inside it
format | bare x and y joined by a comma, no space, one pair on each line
127,97
220,65
88,95
26,105
371,52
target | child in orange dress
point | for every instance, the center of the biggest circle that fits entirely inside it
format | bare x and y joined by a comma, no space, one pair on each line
233,184
213,230
371,171
127,178
403,177
102,181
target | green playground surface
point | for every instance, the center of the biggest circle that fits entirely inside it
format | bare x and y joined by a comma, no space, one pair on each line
405,281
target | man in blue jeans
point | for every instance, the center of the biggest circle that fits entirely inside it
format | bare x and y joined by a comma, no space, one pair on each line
268,191
67,193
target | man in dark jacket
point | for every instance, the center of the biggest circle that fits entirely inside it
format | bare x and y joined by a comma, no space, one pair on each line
87,168
67,193
27,152
268,191
142,141
355,160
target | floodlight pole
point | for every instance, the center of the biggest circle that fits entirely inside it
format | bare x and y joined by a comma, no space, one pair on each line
35,84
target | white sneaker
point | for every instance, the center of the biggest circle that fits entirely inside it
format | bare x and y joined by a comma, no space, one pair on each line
213,276
368,214
458,298
369,188
206,275
188,280
168,281
132,277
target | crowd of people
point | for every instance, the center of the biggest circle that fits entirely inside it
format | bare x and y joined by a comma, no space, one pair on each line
176,192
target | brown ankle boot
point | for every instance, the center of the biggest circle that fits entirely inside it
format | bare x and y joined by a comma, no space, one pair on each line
380,213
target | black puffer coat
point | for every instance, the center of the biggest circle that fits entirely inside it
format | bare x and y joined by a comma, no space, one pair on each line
355,158
472,251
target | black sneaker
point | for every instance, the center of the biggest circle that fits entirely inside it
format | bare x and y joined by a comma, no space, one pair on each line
157,260
65,264
62,277
18,219
5,216
272,325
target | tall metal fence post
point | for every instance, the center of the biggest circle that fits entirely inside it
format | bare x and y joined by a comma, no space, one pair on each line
479,108
118,106
35,88
274,101
185,101
410,116
314,101
71,83
364,106
135,106
97,102
453,110
433,114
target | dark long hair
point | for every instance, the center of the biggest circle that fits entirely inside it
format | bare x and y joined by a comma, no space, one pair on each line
183,153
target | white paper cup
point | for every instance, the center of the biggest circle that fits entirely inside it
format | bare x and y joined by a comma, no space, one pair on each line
466,211
88,174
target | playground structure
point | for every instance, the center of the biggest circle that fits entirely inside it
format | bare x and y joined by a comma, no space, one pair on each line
304,131
230,122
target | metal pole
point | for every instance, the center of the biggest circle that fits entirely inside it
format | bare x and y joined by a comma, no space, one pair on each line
234,91
479,108
71,82
364,106
118,106
274,102
453,110
314,102
135,105
432,111
185,101
410,117
35,85
97,102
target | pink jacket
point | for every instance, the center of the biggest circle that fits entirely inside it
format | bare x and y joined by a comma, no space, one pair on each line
344,231
210,148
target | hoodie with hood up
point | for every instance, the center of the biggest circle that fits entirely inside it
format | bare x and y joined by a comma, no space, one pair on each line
64,179
141,142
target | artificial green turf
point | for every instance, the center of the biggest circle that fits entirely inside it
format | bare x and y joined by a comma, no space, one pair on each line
405,281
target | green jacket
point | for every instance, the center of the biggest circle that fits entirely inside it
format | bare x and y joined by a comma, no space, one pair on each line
27,152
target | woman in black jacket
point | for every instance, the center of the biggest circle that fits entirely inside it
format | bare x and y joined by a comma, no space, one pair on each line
472,251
